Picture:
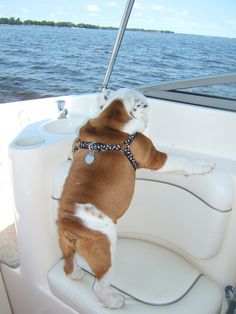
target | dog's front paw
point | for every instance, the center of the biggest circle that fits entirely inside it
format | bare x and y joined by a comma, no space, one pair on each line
202,167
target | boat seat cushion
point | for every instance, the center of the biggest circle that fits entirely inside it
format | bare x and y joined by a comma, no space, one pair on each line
216,189
151,279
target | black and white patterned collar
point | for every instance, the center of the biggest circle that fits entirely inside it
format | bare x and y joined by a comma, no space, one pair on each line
102,147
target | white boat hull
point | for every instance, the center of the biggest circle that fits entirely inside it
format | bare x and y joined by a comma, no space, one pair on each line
41,149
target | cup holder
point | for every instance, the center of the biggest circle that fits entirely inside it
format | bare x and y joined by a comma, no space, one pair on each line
29,141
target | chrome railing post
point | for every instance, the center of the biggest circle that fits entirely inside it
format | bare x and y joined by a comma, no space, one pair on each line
118,41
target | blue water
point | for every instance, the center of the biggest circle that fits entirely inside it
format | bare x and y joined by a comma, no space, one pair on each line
40,62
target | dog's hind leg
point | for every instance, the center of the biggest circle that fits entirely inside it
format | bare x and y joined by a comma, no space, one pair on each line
67,242
96,242
77,272
99,254
102,286
102,289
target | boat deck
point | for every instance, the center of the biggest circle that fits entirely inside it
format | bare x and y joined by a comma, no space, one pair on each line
8,245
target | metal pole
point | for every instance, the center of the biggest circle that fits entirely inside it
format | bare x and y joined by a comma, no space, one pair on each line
118,41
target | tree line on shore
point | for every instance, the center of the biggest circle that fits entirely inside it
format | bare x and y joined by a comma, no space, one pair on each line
17,21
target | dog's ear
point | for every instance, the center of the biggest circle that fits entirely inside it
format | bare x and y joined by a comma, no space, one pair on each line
139,108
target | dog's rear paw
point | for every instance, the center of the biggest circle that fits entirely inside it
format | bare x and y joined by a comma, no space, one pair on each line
77,273
106,295
115,301
202,167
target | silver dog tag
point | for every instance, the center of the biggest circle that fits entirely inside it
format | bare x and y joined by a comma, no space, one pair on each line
89,159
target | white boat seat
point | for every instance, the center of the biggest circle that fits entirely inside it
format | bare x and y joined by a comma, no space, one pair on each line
154,279
188,215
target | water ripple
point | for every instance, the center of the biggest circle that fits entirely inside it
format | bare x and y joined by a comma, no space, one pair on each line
39,61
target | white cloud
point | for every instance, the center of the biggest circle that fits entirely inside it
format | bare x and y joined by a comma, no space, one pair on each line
138,6
93,8
25,10
158,7
182,13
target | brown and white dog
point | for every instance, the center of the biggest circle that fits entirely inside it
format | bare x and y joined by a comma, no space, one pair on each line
100,186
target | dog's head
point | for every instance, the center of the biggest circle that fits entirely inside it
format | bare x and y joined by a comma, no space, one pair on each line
136,106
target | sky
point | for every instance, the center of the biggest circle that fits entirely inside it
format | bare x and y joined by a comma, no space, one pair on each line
202,17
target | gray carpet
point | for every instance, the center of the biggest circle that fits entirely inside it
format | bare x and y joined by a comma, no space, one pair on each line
8,247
